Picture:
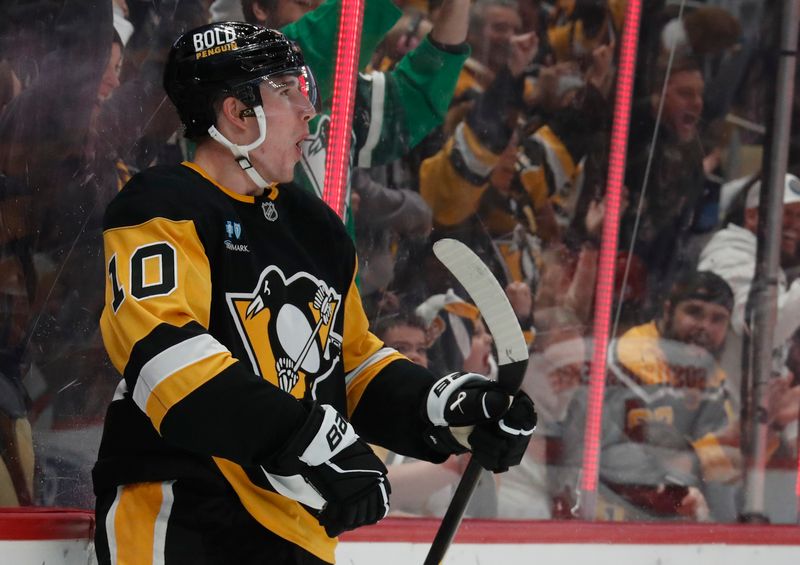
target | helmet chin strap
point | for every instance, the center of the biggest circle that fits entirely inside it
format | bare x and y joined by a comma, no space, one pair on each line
242,152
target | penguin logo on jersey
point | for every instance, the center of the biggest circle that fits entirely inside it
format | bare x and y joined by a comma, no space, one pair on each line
286,326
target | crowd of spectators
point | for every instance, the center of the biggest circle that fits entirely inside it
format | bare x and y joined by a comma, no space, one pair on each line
515,167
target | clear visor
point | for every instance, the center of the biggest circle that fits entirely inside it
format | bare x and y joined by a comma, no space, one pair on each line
299,84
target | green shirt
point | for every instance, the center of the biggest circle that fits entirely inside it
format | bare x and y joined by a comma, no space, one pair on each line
393,111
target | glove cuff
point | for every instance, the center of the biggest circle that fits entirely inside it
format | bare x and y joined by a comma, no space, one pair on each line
324,434
450,394
440,392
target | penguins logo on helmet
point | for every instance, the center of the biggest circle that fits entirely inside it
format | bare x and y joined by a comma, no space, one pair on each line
210,42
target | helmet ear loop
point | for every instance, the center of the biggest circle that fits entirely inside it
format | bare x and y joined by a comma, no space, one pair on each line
241,153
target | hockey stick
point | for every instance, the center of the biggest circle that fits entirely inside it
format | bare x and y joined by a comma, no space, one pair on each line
512,359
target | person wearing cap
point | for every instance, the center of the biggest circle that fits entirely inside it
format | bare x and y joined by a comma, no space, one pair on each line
731,254
666,414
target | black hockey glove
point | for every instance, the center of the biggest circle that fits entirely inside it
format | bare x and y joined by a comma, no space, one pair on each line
342,468
500,445
469,412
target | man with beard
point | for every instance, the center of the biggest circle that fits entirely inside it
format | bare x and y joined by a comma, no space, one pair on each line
731,254
666,413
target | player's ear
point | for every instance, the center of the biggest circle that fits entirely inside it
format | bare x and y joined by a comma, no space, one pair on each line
231,112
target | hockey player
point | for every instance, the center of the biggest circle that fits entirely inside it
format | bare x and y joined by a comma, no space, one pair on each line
251,382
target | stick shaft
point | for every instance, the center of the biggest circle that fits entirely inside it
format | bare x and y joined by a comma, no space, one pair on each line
455,513
491,300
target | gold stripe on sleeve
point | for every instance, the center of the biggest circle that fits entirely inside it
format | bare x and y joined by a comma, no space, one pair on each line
359,344
180,384
134,319
357,387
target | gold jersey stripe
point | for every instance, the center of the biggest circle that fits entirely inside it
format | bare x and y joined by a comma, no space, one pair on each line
280,515
139,518
534,182
463,310
136,319
179,385
174,373
451,197
640,352
479,158
358,385
355,352
123,173
715,460
564,159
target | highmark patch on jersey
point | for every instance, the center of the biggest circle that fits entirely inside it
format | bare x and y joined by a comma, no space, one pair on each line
287,328
234,240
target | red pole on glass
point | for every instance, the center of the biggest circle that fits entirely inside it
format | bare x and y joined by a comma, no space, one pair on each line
337,164
604,290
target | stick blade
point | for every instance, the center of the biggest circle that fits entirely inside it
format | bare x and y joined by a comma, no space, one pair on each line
488,296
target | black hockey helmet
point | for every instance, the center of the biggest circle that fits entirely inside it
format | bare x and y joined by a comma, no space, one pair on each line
223,59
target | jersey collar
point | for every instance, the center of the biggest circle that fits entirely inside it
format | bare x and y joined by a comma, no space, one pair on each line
271,193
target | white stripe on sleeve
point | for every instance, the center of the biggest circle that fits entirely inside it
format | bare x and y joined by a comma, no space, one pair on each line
368,362
471,160
172,360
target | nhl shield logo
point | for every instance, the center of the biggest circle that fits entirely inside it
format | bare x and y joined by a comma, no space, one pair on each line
270,212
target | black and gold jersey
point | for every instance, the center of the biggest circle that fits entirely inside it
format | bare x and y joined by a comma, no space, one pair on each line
223,313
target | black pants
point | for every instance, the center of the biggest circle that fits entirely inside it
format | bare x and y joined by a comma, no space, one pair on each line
177,523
